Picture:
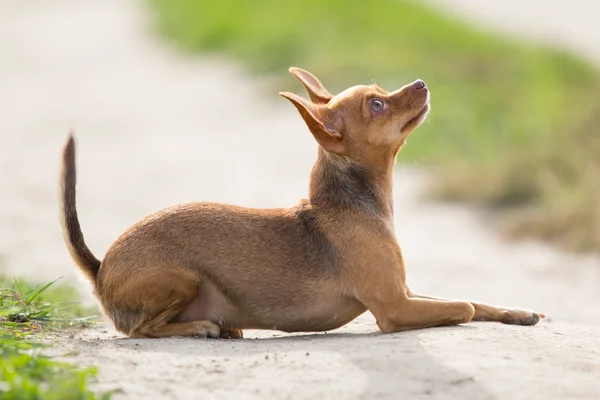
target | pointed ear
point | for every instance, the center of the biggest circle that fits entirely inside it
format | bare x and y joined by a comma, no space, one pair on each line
316,91
316,118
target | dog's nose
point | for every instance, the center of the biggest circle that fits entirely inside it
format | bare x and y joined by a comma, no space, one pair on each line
419,84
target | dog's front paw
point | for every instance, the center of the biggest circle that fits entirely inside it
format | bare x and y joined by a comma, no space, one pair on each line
521,317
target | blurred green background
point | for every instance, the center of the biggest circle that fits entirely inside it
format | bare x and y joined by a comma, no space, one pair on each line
513,127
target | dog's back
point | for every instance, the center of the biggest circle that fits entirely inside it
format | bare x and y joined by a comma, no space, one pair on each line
227,247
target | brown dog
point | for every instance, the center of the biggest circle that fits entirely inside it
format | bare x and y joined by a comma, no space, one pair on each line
206,269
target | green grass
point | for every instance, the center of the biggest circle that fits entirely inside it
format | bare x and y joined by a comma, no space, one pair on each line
26,311
513,126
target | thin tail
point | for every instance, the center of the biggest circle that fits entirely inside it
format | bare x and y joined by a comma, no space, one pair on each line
73,236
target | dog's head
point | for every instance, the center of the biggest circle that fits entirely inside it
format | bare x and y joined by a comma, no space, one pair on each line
363,123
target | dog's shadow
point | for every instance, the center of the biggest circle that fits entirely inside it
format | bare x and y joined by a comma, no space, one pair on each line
356,361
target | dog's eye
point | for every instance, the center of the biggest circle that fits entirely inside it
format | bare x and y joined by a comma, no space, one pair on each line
377,105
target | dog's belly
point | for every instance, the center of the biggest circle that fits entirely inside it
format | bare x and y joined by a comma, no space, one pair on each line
323,314
210,305
328,316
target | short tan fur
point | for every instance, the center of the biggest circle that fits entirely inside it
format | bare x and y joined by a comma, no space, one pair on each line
211,270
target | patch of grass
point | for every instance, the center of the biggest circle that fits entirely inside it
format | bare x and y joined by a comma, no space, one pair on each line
511,124
549,192
26,311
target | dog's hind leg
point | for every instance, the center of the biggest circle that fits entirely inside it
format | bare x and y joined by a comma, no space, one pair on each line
160,327
486,312
146,307
200,329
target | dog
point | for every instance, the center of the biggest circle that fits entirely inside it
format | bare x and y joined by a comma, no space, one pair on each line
212,270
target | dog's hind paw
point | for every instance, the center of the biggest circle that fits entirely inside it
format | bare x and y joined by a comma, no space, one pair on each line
204,329
231,334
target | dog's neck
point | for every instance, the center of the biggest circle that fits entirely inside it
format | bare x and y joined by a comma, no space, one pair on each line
340,183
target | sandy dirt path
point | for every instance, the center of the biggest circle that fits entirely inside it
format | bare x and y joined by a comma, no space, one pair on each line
156,127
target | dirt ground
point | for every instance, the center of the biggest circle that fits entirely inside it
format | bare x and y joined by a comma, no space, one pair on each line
155,127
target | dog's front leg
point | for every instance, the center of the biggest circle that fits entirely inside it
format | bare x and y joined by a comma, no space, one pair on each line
384,293
486,312
410,313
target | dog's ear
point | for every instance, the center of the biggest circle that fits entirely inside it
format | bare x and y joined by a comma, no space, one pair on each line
316,91
318,119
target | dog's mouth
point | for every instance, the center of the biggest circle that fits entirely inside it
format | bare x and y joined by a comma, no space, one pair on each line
417,119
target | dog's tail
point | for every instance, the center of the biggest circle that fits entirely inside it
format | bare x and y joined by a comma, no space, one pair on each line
73,236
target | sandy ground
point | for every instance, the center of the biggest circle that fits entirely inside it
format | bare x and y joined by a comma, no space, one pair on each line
157,128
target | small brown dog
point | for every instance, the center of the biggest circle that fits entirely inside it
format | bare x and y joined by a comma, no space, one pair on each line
207,269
